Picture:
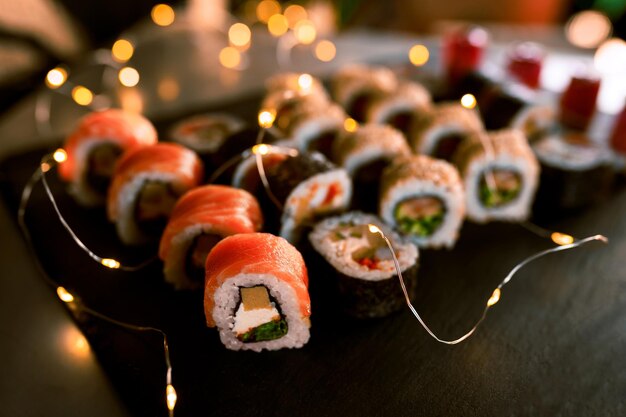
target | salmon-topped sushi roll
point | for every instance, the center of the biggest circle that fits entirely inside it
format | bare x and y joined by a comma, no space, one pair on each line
94,147
145,186
256,293
200,219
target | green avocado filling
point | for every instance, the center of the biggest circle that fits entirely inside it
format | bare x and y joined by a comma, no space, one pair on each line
505,187
423,226
267,331
420,216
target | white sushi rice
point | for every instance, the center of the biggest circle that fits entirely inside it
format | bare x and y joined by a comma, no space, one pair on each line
556,152
515,210
311,194
79,188
338,253
227,296
451,196
125,223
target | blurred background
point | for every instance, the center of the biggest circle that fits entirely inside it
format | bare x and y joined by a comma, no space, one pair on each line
36,35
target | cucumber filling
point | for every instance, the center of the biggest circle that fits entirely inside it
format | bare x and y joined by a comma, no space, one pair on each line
499,187
420,216
101,165
258,317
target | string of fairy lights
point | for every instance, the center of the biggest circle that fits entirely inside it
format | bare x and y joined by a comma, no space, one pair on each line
292,27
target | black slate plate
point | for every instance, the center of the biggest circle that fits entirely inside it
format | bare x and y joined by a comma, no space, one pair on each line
554,345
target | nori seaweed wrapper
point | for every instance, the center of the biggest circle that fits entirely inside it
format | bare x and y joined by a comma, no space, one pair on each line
286,176
370,299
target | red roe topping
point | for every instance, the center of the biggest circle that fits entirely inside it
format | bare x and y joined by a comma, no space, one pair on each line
578,102
463,51
618,137
525,62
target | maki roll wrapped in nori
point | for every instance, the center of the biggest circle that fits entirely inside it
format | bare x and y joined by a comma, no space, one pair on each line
200,219
574,172
500,175
206,133
355,87
145,187
286,104
423,198
518,107
364,154
307,186
400,108
95,146
366,277
315,128
256,293
439,132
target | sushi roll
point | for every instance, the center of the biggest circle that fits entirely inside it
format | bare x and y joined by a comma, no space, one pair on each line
518,107
295,81
355,87
439,132
367,280
400,108
206,133
315,128
364,154
201,218
145,186
500,175
307,186
423,198
574,172
94,147
256,293
246,175
285,104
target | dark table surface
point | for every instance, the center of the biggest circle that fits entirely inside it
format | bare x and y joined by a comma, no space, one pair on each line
554,345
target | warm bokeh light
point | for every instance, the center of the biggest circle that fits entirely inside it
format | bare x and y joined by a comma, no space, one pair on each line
163,14
122,50
75,343
266,119
468,101
128,76
373,228
588,29
60,156
230,57
168,89
261,149
56,77
171,396
350,125
561,238
266,9
65,295
305,32
131,100
239,34
610,58
277,25
495,297
325,51
418,55
294,14
305,82
110,263
82,95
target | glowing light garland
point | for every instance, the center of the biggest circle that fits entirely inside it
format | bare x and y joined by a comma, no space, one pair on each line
66,296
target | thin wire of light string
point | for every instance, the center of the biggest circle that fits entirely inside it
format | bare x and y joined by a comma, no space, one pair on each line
38,175
505,281
49,163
